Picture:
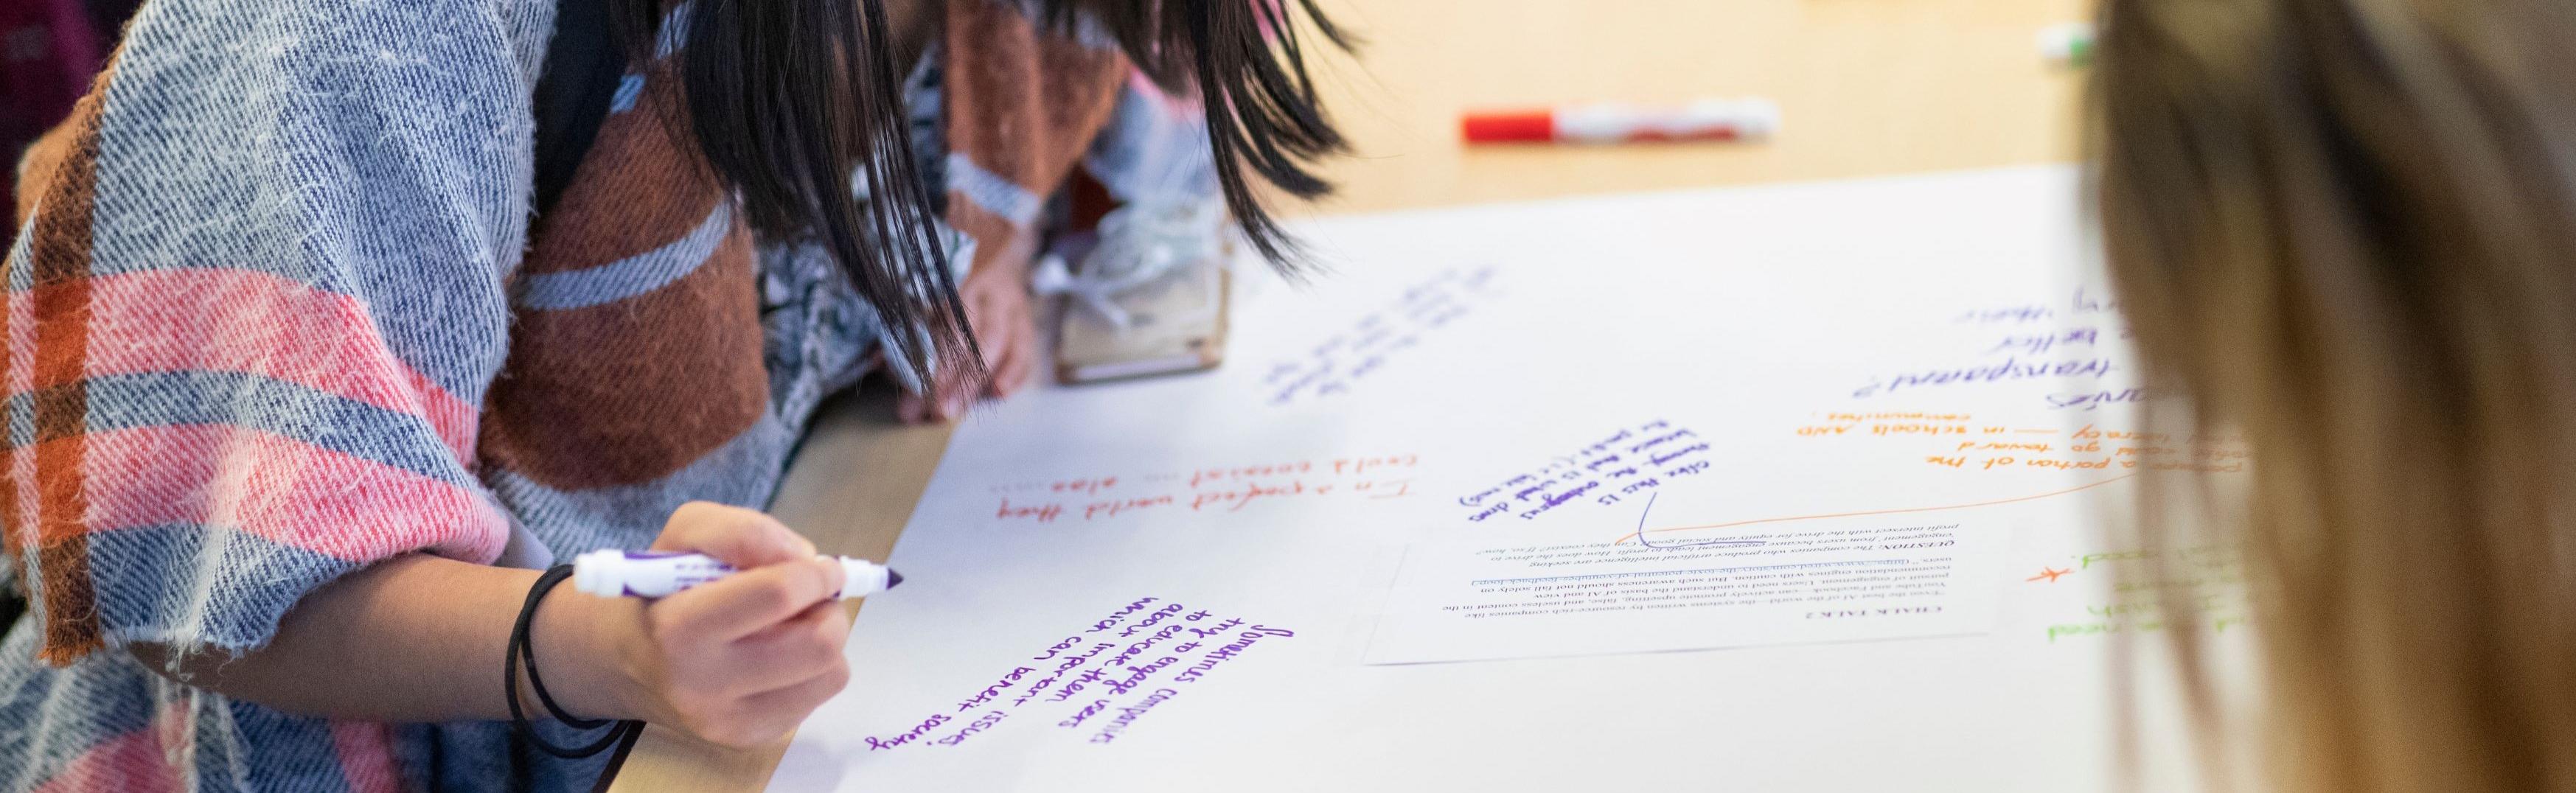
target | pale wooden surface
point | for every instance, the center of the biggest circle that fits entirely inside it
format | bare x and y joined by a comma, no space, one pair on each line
1866,87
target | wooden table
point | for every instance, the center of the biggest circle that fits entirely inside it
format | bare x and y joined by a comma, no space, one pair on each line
1865,87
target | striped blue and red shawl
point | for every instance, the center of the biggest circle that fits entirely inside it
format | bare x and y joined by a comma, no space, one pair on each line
279,310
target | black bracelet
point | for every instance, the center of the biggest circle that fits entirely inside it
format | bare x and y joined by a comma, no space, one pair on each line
522,650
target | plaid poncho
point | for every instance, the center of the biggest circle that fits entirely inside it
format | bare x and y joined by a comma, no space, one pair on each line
279,310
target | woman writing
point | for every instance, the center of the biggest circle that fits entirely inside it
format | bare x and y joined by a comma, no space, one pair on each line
319,346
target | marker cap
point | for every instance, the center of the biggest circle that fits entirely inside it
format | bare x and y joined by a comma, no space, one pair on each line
1531,126
2068,43
600,572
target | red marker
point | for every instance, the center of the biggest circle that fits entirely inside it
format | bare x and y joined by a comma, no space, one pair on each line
1717,119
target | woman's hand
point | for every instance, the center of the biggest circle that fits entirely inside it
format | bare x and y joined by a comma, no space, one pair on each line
420,638
743,660
1005,321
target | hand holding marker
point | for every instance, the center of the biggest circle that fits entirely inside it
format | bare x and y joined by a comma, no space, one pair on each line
654,574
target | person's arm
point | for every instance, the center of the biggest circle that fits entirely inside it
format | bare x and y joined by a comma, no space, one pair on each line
420,638
258,335
1004,317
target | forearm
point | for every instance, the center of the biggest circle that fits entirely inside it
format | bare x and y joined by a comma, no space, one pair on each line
421,638
739,661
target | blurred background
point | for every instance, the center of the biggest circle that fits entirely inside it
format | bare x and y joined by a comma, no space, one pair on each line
1865,87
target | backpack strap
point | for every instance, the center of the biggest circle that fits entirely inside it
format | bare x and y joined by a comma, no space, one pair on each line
582,70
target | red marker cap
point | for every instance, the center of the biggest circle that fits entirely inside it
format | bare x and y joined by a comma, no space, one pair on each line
1528,126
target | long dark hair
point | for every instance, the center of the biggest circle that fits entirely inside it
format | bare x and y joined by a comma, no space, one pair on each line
787,99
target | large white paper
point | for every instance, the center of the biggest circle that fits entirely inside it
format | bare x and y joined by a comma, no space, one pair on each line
1884,354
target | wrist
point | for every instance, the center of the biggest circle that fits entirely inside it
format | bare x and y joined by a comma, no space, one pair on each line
583,643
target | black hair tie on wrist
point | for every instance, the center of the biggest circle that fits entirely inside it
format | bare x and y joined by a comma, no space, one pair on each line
523,651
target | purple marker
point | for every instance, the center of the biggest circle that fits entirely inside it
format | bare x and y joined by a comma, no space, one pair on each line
653,574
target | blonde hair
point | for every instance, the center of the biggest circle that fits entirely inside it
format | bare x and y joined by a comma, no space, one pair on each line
2346,229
